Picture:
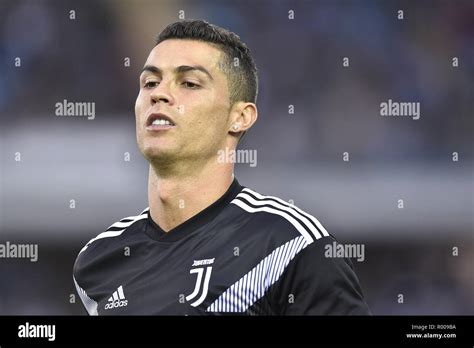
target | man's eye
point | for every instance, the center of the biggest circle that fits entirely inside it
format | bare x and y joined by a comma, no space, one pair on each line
191,85
150,84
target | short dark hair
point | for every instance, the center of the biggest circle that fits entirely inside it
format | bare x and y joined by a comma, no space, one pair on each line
238,64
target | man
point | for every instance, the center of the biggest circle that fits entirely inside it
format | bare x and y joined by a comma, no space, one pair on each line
206,244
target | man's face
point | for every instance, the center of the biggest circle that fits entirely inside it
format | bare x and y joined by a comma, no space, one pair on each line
182,80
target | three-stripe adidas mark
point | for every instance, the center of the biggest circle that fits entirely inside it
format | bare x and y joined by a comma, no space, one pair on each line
307,225
117,299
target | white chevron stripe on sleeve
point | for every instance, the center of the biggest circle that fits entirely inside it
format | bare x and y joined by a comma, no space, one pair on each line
89,304
253,285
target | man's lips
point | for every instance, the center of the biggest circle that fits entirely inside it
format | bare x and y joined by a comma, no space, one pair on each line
159,122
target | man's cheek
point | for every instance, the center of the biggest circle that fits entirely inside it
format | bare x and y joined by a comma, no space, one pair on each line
137,111
140,113
139,102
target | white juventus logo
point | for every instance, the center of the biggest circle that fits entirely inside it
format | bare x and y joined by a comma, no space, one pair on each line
202,281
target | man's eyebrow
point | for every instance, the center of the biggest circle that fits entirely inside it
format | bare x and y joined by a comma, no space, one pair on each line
179,70
151,68
185,68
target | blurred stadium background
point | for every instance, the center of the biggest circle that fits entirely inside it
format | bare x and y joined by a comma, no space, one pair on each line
408,251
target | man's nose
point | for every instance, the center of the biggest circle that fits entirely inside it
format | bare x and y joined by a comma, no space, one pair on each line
162,93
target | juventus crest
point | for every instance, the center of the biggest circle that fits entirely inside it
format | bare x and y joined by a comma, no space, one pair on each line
203,269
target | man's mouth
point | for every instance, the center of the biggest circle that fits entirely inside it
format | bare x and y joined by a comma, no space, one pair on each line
158,122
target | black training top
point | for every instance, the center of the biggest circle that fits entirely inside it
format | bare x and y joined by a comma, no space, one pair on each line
244,254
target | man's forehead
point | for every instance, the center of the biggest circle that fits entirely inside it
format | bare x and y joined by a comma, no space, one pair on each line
172,53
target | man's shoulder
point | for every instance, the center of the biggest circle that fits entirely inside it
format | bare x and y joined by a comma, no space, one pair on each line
284,219
88,270
113,232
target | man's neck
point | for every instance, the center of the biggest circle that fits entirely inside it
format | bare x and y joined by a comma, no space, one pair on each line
175,199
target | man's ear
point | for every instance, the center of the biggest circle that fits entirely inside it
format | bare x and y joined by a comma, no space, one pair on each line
242,116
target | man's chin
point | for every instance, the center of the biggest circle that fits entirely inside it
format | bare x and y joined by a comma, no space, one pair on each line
158,156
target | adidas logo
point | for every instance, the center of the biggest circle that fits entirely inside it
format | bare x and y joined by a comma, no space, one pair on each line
117,299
